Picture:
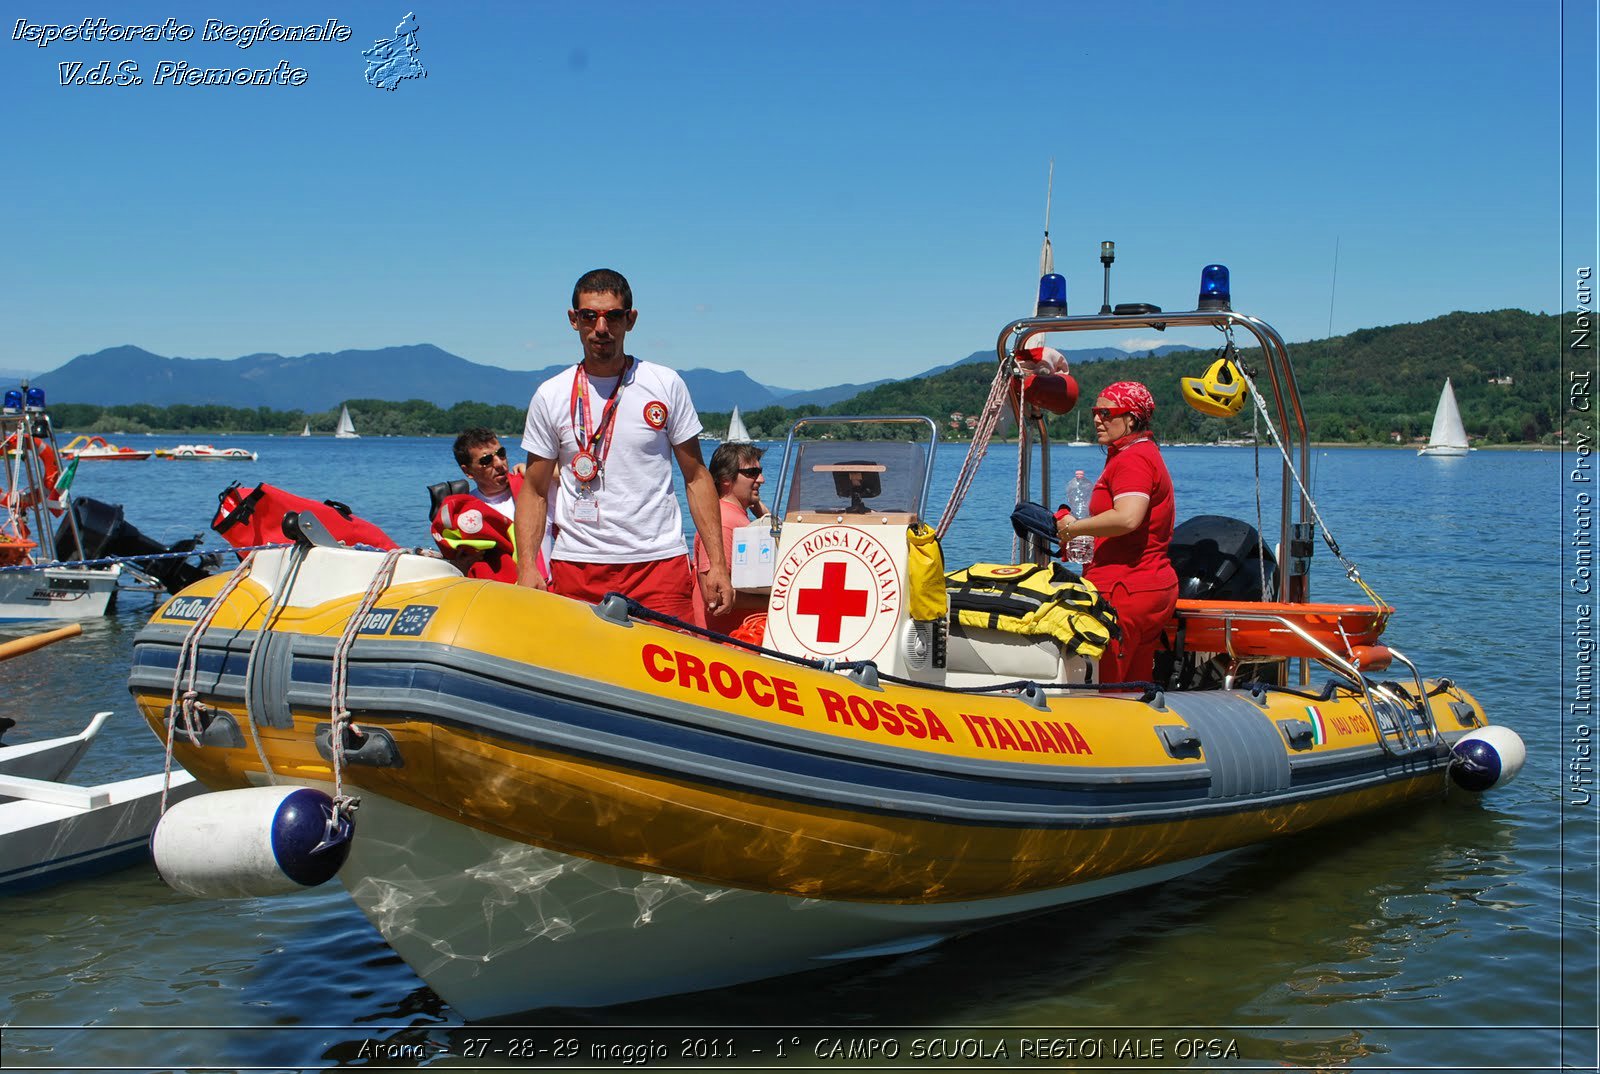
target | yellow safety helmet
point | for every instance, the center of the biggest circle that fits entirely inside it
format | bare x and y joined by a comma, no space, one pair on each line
1219,393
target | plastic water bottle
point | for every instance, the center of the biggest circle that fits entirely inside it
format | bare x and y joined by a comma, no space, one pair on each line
1079,549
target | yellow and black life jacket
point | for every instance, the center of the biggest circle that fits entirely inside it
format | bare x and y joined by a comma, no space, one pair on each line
1030,599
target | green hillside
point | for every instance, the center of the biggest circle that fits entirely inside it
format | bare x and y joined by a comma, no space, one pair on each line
1362,387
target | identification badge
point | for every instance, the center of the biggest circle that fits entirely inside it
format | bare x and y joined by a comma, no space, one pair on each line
584,466
587,509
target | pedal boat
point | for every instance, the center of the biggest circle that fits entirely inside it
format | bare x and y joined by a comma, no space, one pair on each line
574,805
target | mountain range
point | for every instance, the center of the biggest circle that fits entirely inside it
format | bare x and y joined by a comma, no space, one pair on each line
119,376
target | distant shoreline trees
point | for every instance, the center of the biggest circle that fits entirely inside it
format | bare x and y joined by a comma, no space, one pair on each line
1370,386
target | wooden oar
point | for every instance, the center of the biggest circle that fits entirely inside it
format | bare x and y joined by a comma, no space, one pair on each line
38,641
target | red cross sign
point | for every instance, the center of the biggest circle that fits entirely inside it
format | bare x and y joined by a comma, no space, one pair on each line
832,603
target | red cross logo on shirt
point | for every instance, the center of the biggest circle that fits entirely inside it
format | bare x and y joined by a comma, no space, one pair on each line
832,603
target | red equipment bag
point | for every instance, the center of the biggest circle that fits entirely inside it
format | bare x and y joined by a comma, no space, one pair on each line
248,517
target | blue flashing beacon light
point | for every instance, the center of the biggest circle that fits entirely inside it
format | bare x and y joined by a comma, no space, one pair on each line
1214,293
35,399
1052,296
13,404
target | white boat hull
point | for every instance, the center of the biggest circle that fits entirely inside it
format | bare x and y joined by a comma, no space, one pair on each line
51,758
1444,452
91,830
57,593
496,927
51,831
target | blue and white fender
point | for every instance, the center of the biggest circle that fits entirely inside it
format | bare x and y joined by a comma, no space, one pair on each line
251,842
1487,758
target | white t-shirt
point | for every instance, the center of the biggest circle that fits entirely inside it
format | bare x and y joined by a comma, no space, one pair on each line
639,520
505,503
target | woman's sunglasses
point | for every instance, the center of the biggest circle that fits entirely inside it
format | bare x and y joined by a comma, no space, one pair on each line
1106,413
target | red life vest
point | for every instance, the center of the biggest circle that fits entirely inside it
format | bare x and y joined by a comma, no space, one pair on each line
465,524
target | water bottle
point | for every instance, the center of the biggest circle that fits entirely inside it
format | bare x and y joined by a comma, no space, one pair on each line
1079,549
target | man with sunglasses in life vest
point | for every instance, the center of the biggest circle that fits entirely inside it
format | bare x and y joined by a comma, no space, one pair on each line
601,439
1131,515
475,529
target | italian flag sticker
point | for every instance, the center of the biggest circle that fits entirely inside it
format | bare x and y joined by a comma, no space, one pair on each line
1319,732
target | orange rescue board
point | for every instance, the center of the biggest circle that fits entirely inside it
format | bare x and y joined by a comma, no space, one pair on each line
1240,627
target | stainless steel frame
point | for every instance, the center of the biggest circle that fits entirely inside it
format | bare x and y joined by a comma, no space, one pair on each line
1291,419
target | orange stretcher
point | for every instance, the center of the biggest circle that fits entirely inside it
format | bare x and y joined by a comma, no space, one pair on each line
1258,630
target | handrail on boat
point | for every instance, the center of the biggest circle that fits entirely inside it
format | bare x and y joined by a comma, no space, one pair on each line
1014,336
1342,667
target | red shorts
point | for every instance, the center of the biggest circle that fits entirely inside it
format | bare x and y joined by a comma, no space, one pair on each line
663,586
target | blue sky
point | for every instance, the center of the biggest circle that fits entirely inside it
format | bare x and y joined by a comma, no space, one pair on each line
812,193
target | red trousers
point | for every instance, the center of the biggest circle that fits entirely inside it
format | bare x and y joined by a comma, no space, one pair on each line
1142,615
662,586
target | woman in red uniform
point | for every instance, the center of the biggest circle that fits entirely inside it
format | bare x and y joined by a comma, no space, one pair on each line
1130,518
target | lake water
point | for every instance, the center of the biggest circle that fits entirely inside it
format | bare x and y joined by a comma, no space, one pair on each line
1457,936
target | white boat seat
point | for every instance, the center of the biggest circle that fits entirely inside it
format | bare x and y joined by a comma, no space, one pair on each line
1003,654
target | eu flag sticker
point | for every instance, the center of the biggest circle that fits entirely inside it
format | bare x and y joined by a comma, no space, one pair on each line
413,620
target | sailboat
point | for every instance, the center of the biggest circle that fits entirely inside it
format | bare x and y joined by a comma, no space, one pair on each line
1077,438
1449,437
346,429
307,430
737,433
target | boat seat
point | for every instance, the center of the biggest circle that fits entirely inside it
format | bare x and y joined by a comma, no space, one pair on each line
1002,654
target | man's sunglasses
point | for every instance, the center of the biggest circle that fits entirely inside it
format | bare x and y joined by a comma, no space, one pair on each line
498,453
1106,413
750,471
588,316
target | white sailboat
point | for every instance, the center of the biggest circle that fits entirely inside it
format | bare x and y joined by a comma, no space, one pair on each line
737,433
347,428
1077,438
307,430
1449,437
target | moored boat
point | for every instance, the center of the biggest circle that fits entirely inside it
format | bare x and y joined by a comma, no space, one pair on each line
53,831
35,584
95,449
649,809
207,453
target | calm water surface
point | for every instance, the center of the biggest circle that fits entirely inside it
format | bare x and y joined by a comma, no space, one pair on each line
1437,938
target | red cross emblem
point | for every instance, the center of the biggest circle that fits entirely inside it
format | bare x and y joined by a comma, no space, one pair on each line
831,603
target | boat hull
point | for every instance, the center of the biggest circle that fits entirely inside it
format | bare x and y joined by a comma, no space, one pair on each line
567,785
1443,452
57,593
44,843
560,930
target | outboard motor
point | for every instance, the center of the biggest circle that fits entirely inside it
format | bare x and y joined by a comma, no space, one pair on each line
1216,558
1221,558
106,533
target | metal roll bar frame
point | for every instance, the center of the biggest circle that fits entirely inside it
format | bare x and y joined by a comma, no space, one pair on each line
1293,588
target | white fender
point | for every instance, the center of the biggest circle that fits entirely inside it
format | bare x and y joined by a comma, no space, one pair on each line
1487,758
251,842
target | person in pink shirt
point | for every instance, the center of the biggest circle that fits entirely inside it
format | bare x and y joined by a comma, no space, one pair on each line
736,469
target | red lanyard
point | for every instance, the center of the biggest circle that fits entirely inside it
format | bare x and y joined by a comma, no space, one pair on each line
580,413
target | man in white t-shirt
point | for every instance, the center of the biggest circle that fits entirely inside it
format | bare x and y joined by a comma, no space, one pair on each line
601,438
